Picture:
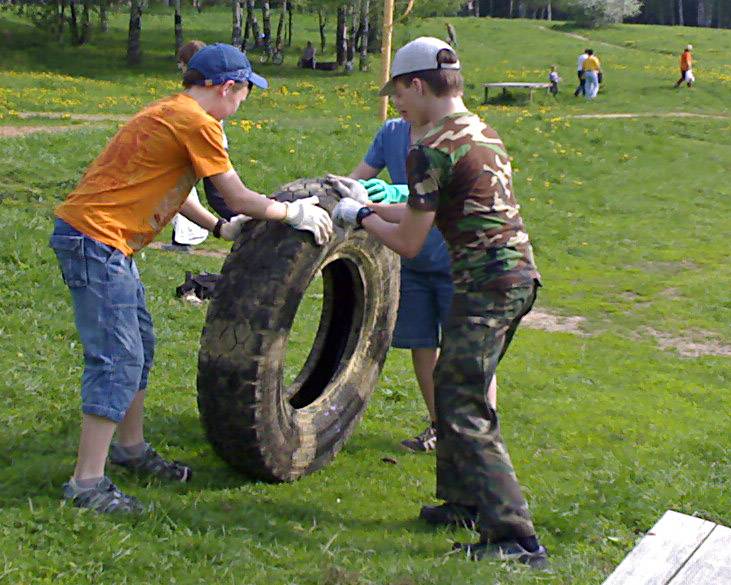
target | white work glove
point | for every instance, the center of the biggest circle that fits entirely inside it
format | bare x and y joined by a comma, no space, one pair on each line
232,228
304,214
346,211
348,187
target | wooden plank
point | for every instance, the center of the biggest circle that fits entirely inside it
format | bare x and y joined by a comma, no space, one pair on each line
663,550
711,563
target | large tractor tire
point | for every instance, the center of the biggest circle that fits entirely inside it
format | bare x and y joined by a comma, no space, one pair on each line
255,422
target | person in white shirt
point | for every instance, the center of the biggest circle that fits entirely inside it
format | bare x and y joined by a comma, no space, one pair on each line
580,72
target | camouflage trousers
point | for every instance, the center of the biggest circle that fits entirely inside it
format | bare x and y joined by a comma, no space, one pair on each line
473,465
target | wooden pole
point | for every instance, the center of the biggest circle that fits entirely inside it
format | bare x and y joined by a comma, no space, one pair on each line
386,53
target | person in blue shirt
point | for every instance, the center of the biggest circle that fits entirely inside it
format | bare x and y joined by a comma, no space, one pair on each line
426,280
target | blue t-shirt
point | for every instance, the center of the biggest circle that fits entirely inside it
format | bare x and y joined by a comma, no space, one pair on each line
389,149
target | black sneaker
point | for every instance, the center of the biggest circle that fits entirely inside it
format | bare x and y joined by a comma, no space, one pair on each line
150,463
450,515
104,497
424,441
508,550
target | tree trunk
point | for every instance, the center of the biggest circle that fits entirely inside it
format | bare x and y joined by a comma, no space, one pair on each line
363,64
85,23
252,25
350,33
340,31
521,8
476,6
103,16
681,17
61,20
178,26
134,51
236,17
280,25
266,21
289,28
549,11
73,23
510,9
322,22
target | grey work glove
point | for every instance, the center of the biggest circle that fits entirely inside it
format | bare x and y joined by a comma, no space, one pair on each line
348,187
304,214
346,212
232,228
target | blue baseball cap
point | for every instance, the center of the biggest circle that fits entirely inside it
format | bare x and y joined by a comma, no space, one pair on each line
220,63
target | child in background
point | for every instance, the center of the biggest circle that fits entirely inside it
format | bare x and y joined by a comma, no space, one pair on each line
554,80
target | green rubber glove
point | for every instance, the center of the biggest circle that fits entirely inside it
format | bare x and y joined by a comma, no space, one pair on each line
381,192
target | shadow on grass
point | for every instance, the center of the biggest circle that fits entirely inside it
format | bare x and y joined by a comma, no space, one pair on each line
36,462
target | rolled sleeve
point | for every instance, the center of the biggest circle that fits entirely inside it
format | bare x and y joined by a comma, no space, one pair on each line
426,169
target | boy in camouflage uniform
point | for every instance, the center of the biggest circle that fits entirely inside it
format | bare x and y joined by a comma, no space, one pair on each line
459,175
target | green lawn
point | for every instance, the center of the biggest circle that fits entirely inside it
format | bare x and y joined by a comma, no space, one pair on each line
630,220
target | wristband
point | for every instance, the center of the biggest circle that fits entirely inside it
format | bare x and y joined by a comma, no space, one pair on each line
363,212
217,228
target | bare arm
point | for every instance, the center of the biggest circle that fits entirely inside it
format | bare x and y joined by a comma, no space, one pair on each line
364,171
407,237
390,212
241,199
195,212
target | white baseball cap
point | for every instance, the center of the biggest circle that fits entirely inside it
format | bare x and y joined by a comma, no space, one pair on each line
689,48
418,55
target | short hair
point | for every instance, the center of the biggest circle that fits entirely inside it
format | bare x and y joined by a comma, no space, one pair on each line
186,52
589,52
194,77
442,82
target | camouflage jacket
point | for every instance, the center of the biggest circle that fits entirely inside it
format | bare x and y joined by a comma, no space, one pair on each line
460,170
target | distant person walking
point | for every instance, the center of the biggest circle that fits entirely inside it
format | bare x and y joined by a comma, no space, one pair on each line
686,67
451,35
580,72
592,70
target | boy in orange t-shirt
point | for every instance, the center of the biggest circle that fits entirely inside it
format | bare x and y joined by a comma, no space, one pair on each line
127,195
686,67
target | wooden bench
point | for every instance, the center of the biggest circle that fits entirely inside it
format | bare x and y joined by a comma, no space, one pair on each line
678,550
531,87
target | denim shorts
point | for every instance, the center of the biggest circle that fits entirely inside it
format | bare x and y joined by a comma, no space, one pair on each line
424,306
112,320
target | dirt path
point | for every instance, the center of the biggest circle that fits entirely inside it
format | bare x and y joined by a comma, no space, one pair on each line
15,131
583,38
648,115
76,117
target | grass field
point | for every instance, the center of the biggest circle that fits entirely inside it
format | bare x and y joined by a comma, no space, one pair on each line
607,429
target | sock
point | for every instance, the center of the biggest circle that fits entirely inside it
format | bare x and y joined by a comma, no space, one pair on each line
88,483
529,543
130,451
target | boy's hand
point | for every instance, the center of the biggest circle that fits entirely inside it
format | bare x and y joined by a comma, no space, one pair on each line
232,228
381,192
348,187
346,212
304,214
